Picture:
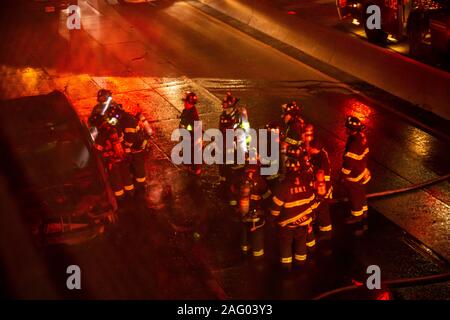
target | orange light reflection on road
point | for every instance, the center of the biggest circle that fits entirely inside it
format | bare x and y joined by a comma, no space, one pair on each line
356,108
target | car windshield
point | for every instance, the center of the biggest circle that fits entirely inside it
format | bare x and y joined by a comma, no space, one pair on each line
51,154
55,162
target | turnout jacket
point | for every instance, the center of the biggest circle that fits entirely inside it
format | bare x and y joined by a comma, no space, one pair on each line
293,202
188,116
354,167
134,137
259,191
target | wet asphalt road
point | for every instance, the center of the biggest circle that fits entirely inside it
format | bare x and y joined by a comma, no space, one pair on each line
155,54
324,12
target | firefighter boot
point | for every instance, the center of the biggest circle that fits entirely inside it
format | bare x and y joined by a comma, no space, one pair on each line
354,219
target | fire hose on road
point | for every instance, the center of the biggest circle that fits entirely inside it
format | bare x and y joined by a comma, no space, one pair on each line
399,283
401,190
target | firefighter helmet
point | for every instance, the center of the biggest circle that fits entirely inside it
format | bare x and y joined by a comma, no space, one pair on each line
190,97
229,101
354,124
103,95
286,106
291,108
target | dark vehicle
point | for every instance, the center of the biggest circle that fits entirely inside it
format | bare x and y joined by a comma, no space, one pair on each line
58,181
421,22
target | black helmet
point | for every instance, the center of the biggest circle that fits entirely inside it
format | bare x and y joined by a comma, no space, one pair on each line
103,95
291,109
190,97
229,100
354,124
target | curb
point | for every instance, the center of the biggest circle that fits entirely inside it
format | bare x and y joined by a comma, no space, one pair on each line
403,77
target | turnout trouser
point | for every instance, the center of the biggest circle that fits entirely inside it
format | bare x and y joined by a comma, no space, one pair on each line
120,179
357,198
138,169
323,216
288,236
252,237
310,238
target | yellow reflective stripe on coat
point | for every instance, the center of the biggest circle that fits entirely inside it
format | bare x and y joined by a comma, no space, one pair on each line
291,141
327,178
315,205
277,201
297,217
357,156
131,130
362,175
345,171
329,194
367,179
275,213
299,202
255,197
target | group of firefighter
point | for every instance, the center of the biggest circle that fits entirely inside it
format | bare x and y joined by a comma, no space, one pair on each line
121,137
298,196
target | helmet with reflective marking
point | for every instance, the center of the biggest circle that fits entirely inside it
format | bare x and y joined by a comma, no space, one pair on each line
103,95
190,97
354,124
229,101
